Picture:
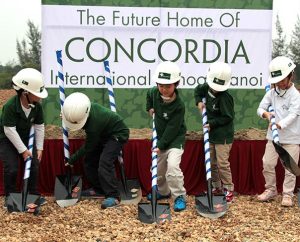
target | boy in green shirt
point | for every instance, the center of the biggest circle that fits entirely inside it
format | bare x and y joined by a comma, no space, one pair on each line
19,113
220,114
106,134
169,110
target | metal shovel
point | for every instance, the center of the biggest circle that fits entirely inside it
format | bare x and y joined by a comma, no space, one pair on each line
154,212
67,189
209,205
25,202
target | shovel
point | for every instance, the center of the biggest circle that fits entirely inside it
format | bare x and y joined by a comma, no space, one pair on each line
25,202
130,190
154,212
67,188
287,161
209,205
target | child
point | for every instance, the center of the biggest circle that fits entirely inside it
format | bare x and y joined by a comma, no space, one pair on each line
19,113
285,100
169,110
220,115
106,134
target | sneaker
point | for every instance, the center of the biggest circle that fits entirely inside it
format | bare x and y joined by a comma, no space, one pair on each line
267,195
179,203
91,193
109,202
42,201
158,196
228,196
287,201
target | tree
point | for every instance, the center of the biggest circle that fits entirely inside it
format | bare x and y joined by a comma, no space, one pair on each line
279,43
295,48
29,52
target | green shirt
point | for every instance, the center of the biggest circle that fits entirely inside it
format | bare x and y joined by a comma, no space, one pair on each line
101,125
169,120
220,114
14,116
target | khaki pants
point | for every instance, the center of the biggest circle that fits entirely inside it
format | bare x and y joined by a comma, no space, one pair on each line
170,176
220,166
270,159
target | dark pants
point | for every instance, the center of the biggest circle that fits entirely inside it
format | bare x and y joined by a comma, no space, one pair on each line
99,167
10,158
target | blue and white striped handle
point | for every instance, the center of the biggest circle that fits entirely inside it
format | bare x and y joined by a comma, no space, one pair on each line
62,100
206,142
111,96
154,155
272,120
29,159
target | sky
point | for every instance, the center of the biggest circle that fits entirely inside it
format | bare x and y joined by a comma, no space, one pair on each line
14,15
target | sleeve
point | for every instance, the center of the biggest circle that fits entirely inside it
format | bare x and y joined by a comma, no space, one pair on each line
9,116
39,118
13,136
172,129
39,135
264,104
199,93
77,155
149,100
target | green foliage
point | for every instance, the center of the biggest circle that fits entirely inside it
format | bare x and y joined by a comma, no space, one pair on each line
279,44
29,51
6,74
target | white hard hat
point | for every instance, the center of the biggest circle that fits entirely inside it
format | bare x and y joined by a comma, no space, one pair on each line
280,67
30,80
218,76
167,73
76,110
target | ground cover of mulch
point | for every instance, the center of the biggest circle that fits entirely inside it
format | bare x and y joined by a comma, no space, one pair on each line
245,220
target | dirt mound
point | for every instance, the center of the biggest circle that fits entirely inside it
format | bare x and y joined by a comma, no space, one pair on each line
5,94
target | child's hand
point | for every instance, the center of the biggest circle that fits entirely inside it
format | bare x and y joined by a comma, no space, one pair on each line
151,112
268,115
25,154
39,155
201,105
156,150
206,126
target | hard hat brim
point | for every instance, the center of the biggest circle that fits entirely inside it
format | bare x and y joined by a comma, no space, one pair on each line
42,94
165,81
72,126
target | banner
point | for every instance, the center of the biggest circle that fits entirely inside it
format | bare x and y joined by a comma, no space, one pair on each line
136,39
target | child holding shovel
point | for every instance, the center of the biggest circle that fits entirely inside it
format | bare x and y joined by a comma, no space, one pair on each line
18,115
285,100
165,102
106,134
220,115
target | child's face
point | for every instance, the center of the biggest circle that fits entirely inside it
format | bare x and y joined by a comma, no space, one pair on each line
167,90
34,98
283,84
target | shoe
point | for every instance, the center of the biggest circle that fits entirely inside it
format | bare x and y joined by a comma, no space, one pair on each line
91,193
267,195
217,191
158,196
42,201
229,196
179,204
109,202
287,201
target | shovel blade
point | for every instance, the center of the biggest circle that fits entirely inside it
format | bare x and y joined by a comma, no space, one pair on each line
130,191
15,203
218,209
67,192
145,215
286,159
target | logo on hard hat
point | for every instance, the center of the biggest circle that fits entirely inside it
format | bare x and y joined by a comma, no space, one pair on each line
218,81
164,75
25,82
276,73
